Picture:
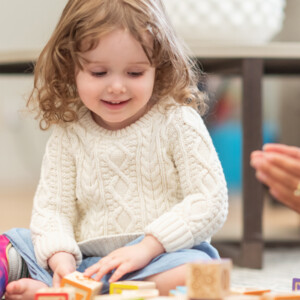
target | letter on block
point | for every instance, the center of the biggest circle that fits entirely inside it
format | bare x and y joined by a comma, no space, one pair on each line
55,294
85,288
209,279
296,284
119,286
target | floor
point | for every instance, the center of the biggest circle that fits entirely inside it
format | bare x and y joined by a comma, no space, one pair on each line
281,265
279,224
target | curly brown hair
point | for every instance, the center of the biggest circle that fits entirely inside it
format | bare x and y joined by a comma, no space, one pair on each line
54,95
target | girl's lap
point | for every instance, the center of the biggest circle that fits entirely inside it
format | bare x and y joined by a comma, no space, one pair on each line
21,240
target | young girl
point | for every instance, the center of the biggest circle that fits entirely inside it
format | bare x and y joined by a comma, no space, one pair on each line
131,186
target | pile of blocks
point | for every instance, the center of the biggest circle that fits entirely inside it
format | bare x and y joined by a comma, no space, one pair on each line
206,280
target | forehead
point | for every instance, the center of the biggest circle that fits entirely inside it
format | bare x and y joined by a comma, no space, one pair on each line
119,45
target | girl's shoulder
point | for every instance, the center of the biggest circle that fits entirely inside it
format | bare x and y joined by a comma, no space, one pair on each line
183,115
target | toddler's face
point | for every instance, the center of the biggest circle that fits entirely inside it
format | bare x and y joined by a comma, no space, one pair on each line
117,80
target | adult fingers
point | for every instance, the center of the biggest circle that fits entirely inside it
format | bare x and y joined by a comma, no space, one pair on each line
289,164
287,197
256,154
283,149
271,175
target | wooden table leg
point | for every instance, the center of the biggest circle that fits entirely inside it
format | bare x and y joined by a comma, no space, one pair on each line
251,252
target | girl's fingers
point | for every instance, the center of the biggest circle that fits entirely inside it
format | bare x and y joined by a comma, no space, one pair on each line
91,270
119,272
56,280
106,268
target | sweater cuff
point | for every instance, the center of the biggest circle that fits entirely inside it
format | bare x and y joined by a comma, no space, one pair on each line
172,232
46,246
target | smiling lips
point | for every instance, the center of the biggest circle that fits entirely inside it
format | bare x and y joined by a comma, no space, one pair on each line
115,104
115,101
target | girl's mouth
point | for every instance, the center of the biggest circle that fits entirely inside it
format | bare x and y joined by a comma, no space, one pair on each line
115,104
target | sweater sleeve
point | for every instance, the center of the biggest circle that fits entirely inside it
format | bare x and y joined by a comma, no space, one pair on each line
204,207
54,208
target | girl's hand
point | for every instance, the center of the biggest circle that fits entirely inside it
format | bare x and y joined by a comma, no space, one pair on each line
62,264
278,166
126,259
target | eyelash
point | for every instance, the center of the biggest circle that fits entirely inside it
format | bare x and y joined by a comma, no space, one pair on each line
98,74
132,74
135,74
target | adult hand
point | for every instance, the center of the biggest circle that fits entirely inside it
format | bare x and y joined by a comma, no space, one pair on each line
278,166
62,264
126,259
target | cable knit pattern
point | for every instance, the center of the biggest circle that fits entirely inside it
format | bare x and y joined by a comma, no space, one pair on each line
99,189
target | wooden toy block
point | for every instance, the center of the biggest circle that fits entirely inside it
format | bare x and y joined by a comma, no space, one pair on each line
115,297
55,294
109,297
248,291
119,286
142,293
294,295
296,284
242,297
85,288
209,279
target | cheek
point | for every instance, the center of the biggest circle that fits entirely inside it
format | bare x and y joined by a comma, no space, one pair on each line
146,85
84,85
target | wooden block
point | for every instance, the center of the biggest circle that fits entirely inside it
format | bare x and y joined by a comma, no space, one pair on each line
85,288
294,295
242,297
55,294
296,284
181,297
108,297
209,279
119,286
248,291
142,293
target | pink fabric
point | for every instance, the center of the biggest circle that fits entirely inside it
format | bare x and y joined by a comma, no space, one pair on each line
4,241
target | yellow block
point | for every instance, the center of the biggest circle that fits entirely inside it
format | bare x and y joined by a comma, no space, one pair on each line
119,286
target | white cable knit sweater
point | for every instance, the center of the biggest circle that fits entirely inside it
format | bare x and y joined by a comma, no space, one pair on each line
100,189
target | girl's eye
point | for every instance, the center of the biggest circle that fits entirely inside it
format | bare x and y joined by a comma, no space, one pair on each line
98,74
135,74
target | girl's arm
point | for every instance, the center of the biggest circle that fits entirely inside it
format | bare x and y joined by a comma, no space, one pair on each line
54,210
62,264
204,206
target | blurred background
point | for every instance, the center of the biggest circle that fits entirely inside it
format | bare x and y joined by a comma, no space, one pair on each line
25,27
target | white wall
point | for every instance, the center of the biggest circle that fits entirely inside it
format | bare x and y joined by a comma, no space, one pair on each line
27,24
24,26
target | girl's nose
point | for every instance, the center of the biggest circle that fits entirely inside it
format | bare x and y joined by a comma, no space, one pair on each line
116,87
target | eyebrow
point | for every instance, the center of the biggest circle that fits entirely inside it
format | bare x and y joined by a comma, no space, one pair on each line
131,63
89,62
